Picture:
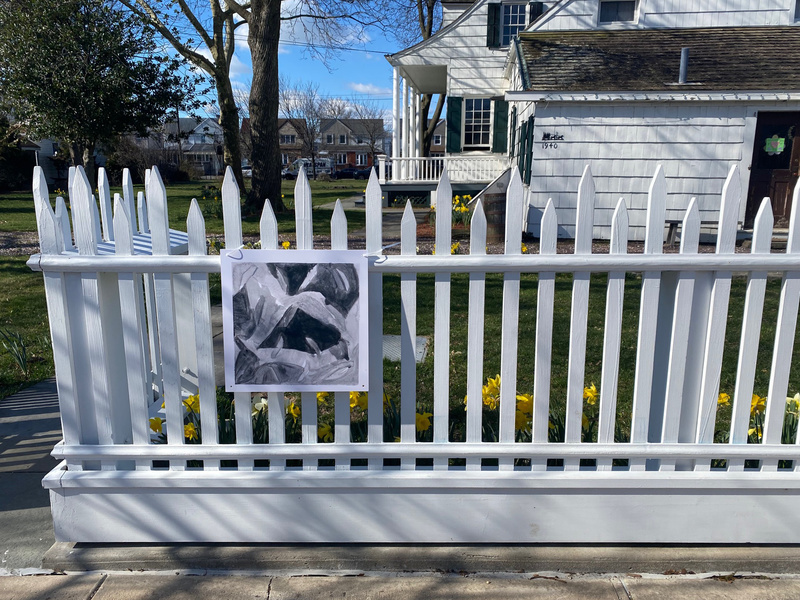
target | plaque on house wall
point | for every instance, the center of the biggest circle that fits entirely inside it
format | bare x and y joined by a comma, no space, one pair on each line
294,320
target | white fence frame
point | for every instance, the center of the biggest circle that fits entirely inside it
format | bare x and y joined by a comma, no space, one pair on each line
129,314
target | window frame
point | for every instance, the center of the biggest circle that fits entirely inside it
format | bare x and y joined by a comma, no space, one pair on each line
505,40
288,139
437,137
341,158
633,20
343,139
362,159
481,146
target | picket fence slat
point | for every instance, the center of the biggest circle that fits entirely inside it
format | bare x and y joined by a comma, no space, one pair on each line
165,315
129,198
408,334
475,335
718,314
676,371
62,221
579,316
510,321
141,210
545,299
50,239
130,292
341,434
751,333
609,378
441,318
207,390
104,189
648,307
374,241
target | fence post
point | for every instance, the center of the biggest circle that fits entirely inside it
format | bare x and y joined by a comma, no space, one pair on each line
381,170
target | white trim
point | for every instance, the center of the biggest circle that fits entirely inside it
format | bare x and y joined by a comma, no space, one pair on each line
597,96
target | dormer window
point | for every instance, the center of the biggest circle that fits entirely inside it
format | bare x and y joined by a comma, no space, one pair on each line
507,19
617,11
513,22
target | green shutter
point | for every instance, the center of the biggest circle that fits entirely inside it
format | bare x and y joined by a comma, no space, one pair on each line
511,146
454,124
523,143
536,9
529,153
500,134
493,26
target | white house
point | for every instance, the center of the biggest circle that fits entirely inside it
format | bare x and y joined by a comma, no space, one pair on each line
550,87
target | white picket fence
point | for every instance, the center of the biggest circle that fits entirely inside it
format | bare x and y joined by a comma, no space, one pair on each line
129,314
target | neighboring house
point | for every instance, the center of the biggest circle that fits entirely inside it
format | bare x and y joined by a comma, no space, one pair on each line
353,142
550,87
290,141
437,143
203,147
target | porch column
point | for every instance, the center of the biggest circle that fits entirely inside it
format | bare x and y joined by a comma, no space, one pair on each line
404,141
412,127
395,116
417,127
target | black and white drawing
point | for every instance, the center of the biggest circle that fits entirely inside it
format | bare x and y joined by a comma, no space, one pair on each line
294,320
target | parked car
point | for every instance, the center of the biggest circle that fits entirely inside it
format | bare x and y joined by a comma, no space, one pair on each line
363,173
346,173
288,173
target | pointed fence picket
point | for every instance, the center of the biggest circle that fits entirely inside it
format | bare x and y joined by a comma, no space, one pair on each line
131,328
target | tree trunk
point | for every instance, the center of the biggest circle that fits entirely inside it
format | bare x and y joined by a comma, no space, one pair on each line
429,126
229,121
263,39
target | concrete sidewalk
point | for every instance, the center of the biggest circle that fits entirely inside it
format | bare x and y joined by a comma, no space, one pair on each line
169,586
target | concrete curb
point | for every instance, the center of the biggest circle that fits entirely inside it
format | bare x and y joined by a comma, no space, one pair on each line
422,559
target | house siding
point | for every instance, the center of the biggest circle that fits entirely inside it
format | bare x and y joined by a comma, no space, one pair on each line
696,143
582,14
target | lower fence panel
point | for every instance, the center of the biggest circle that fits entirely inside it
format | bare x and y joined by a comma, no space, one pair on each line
402,507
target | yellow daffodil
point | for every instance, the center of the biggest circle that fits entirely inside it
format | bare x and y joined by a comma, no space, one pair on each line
525,404
285,245
724,399
324,432
753,430
521,422
192,403
424,421
758,404
584,421
322,397
157,424
591,394
491,392
524,249
455,247
793,402
190,431
358,399
293,410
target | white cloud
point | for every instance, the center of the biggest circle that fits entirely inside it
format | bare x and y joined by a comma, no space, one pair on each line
368,88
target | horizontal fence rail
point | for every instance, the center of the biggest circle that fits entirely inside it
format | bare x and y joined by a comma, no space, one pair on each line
129,302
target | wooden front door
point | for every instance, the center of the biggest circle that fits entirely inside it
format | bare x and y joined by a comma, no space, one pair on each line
775,166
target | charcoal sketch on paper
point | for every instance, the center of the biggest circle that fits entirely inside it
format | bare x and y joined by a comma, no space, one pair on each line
294,325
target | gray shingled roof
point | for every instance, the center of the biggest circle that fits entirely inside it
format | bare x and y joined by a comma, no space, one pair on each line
721,59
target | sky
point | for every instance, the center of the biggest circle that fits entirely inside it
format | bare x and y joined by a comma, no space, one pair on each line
359,73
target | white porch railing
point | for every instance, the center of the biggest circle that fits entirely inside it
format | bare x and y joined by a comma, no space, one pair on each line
130,316
460,169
